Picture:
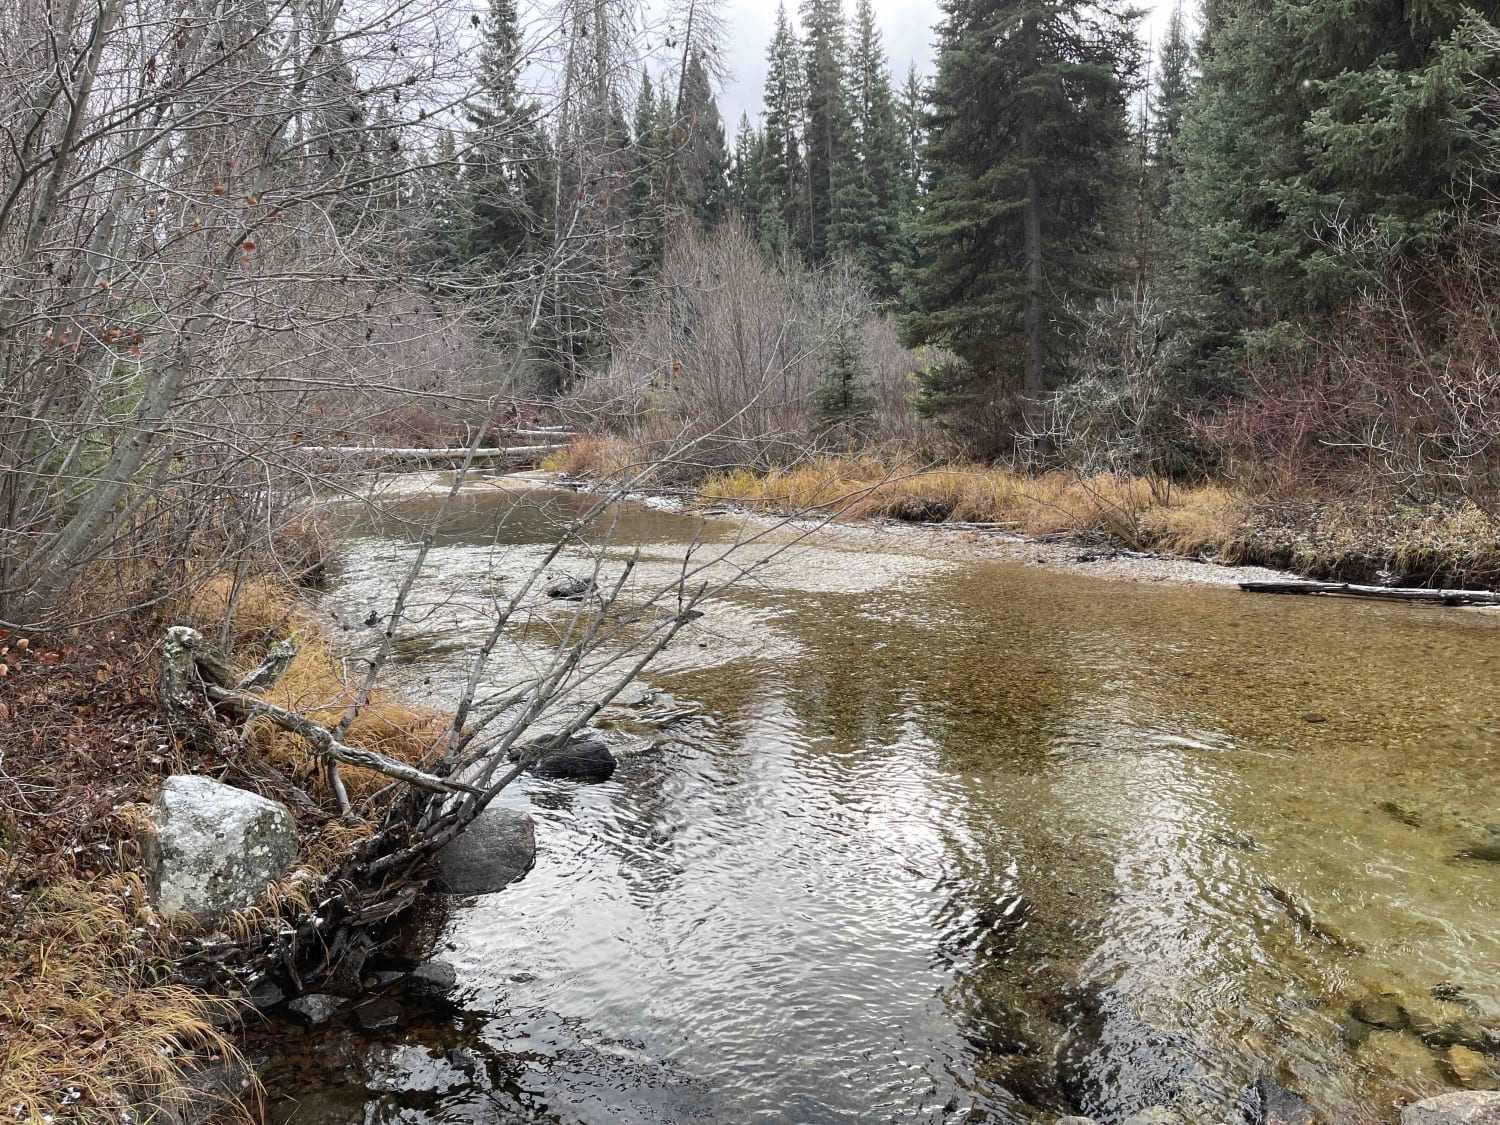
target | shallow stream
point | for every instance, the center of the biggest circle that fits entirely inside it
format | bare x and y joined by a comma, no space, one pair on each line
957,841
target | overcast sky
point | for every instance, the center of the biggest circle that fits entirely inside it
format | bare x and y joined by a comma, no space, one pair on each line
906,26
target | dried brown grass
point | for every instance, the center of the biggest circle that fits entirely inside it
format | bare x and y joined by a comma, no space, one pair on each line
316,685
89,1029
1131,510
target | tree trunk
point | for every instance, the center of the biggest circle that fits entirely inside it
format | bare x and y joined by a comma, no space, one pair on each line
1031,323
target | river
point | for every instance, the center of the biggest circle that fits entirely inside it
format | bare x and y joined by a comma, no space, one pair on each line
956,840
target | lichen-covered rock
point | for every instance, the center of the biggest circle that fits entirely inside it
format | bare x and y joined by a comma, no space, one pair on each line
1472,1107
214,848
494,851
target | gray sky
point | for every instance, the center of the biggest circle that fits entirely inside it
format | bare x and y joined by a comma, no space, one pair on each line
905,25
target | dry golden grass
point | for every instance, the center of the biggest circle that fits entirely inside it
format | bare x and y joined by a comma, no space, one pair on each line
266,610
84,1033
1134,511
596,457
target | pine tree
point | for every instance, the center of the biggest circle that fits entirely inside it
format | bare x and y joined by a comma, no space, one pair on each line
1324,138
785,102
870,221
1027,122
830,150
700,160
504,163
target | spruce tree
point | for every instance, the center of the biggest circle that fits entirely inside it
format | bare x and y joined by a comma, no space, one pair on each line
830,151
648,209
911,113
1027,122
1325,138
504,165
870,219
1169,98
700,162
785,102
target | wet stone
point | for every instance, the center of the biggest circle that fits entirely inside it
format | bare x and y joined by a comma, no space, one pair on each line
1468,1068
491,853
432,980
315,1008
1268,1102
1155,1115
585,759
1468,1108
1380,1011
377,1015
265,995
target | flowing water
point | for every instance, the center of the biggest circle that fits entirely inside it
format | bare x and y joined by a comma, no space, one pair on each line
958,840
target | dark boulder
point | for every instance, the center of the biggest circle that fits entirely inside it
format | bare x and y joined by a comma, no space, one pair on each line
493,852
570,589
377,1015
315,1008
582,759
432,980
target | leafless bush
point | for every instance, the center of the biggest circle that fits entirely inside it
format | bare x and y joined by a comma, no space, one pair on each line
203,269
734,345
1398,393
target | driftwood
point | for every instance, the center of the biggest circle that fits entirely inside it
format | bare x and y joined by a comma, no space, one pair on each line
192,669
1385,593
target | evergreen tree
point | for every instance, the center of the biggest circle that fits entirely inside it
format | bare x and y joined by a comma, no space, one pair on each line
750,192
1027,122
842,397
1169,98
1324,138
700,160
648,208
505,161
870,222
911,113
830,150
785,102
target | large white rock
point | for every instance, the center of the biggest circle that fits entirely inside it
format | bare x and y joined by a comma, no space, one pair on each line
1472,1107
214,848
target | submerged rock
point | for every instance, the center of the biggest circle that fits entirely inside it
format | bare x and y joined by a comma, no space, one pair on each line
1468,1068
1155,1115
1268,1102
213,848
1468,1108
582,759
432,980
493,852
315,1008
377,1015
570,589
1489,853
1380,1011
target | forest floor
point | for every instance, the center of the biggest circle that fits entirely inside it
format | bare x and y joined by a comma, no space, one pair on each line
1071,519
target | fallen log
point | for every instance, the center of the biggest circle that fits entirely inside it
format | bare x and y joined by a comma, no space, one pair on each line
1383,593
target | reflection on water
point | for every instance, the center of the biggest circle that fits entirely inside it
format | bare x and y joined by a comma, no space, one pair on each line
973,843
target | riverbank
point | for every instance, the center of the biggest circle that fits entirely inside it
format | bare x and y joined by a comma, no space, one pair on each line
93,1024
1283,526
